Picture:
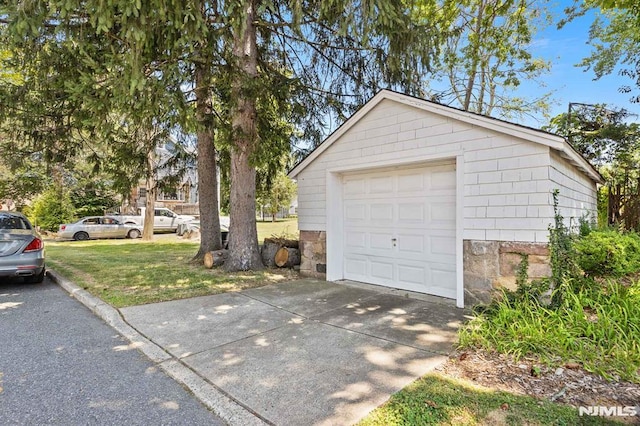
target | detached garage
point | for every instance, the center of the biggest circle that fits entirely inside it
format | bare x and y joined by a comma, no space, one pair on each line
415,195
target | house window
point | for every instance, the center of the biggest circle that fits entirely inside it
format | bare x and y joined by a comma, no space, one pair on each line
170,195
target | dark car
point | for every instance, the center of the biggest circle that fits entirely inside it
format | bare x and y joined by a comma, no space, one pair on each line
21,248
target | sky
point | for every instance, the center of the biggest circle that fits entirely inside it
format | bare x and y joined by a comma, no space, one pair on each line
565,48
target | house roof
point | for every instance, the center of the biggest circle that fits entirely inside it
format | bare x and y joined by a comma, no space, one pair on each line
556,142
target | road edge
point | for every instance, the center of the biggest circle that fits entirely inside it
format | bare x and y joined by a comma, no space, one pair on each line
220,404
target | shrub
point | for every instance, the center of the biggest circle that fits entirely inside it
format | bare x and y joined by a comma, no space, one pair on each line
608,252
50,209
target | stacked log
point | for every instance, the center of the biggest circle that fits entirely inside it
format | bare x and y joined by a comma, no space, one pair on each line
275,252
281,253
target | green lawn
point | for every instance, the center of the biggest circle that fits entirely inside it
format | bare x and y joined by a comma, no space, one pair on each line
126,272
282,227
437,400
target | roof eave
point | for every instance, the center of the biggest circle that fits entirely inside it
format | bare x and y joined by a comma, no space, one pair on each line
551,140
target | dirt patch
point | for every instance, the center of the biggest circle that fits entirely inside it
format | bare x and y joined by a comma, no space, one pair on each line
568,384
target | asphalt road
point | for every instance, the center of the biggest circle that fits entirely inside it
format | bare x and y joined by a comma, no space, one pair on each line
59,364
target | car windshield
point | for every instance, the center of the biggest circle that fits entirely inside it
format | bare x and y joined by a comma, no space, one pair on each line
9,221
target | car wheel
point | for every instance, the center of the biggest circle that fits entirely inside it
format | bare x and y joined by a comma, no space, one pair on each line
133,234
35,279
81,236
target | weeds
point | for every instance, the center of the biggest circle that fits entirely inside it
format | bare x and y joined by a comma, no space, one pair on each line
593,323
597,326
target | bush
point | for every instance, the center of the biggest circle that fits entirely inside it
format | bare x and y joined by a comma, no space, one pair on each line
608,252
50,209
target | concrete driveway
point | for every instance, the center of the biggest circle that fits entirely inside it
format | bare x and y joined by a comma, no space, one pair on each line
305,352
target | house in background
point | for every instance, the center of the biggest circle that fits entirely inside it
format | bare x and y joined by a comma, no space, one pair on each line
415,195
7,205
183,198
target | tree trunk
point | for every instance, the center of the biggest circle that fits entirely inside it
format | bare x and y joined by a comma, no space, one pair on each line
207,178
150,202
475,58
243,236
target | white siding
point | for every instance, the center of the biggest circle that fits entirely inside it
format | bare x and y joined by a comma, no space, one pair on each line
507,182
577,193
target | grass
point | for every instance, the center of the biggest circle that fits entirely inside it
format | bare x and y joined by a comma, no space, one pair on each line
282,227
126,272
596,325
435,400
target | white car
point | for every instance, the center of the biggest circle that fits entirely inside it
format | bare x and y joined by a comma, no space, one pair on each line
195,225
163,219
92,227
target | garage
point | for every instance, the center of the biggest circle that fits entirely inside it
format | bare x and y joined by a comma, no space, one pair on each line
399,229
417,196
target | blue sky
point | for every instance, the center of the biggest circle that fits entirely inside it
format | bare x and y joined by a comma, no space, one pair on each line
565,48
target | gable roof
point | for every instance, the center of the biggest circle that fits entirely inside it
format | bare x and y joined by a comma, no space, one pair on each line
557,143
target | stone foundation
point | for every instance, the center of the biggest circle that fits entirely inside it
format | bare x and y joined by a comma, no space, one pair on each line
488,265
493,265
313,250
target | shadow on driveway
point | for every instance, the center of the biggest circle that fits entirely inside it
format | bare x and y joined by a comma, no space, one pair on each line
306,351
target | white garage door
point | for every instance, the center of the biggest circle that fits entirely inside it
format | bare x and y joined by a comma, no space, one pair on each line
400,229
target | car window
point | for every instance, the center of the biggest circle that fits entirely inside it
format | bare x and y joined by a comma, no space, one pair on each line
9,221
92,221
109,221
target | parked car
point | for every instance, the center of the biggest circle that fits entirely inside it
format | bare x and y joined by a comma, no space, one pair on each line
21,248
93,227
163,219
195,225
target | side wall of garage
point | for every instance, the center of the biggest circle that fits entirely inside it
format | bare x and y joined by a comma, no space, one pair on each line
577,194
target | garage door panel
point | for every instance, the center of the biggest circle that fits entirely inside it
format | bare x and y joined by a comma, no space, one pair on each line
381,241
411,212
355,212
354,186
381,211
356,239
443,279
400,229
442,211
443,180
382,271
445,245
411,277
356,266
381,185
411,244
413,182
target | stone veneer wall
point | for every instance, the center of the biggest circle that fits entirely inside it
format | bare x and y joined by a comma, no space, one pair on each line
488,265
313,250
493,265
